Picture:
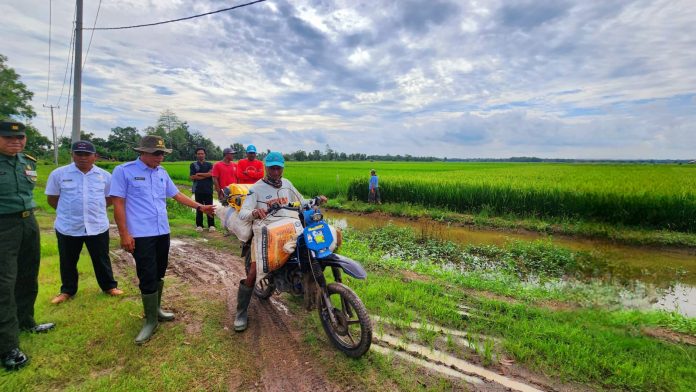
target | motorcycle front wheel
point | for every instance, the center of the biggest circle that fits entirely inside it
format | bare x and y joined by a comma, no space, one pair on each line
352,331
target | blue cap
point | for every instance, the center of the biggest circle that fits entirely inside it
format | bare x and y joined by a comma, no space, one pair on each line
274,158
251,148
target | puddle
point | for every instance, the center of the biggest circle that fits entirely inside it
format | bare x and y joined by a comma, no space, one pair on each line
176,243
428,365
460,365
670,273
680,298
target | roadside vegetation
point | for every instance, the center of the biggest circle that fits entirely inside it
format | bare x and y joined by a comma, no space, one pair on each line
524,296
516,304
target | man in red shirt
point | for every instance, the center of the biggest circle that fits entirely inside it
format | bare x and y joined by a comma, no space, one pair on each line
249,169
224,172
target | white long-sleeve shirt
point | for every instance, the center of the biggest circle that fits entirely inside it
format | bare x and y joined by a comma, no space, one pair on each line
262,195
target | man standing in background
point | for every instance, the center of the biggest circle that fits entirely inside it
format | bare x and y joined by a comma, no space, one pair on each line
224,173
373,196
249,169
202,188
20,246
79,192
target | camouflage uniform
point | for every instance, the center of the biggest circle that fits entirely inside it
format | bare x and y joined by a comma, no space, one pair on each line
20,247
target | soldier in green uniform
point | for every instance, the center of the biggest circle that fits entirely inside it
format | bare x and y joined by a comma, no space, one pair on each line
20,248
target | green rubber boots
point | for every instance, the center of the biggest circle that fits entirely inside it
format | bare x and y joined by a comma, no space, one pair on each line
151,307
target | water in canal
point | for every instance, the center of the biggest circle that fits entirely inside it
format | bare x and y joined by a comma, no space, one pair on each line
667,277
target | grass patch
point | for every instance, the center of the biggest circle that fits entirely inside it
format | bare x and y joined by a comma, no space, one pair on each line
92,347
595,346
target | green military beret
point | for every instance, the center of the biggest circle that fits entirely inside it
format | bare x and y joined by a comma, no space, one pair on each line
11,128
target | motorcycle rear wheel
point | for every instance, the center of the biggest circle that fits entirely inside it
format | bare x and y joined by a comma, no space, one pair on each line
264,288
352,331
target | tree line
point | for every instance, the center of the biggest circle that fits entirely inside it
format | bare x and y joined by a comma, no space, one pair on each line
118,146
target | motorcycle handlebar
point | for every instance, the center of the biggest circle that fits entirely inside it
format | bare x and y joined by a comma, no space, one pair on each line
294,206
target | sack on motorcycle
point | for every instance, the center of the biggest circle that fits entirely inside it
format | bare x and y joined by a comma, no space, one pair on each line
229,217
268,244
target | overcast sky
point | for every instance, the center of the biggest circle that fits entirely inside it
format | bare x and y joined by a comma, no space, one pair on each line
555,79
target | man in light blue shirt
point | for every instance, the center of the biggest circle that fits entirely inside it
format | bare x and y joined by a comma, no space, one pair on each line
373,196
80,194
140,190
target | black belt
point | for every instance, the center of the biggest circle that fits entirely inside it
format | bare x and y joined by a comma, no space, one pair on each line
21,214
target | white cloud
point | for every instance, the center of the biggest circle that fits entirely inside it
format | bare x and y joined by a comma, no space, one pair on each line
494,78
360,57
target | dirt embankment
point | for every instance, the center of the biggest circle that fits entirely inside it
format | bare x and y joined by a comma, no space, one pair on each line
274,345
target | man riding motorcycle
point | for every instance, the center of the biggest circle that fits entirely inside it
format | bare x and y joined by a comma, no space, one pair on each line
271,190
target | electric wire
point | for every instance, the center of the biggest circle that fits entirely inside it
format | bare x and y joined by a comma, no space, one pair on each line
67,105
84,61
70,56
175,20
50,24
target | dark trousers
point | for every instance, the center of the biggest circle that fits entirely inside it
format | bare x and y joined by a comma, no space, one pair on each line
69,249
151,256
20,252
206,199
374,197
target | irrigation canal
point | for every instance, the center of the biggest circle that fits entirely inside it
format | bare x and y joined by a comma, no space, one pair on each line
662,278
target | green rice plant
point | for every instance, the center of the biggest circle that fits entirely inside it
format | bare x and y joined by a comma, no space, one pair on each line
427,334
628,199
487,351
652,196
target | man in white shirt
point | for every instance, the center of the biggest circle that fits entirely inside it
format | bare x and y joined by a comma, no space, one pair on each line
80,194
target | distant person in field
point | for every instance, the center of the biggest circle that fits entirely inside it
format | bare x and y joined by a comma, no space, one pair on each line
224,172
373,196
249,169
202,187
79,192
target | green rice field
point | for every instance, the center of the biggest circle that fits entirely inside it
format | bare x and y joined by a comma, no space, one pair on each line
653,196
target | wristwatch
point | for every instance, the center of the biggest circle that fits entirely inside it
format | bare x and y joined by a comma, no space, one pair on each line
198,209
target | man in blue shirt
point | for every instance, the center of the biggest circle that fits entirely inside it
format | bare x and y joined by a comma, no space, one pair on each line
140,190
373,196
80,194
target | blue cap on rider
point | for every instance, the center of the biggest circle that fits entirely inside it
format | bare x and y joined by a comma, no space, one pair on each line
274,158
251,148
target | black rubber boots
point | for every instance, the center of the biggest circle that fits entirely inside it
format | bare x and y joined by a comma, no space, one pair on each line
243,298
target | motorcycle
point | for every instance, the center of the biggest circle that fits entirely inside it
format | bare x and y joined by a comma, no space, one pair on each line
343,315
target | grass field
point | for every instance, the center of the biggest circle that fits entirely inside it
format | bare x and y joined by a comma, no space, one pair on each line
650,196
563,332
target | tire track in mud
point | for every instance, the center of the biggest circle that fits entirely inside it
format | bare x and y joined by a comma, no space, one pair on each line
273,345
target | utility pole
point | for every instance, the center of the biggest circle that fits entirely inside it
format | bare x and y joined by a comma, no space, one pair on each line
55,138
77,88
